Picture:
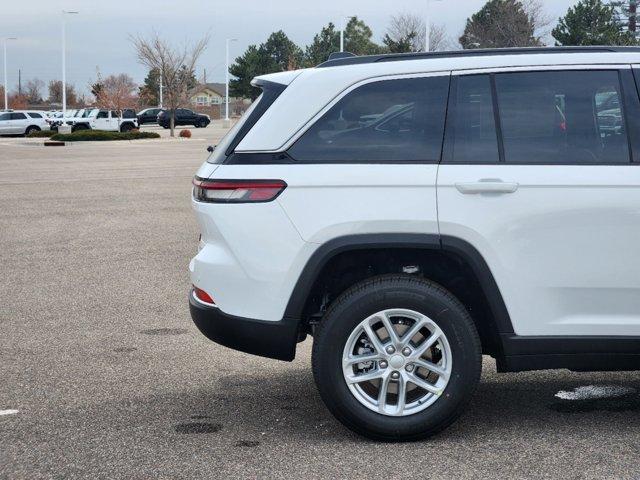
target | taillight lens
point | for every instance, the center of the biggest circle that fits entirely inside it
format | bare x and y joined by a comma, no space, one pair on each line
203,296
237,191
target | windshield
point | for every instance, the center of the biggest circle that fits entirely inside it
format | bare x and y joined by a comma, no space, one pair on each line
218,155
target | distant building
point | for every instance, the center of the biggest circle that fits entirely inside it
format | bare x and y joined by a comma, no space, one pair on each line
208,94
209,98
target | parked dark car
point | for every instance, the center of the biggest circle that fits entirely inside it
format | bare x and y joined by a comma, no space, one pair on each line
184,117
149,115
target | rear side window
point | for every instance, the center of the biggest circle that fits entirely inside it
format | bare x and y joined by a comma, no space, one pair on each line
562,117
35,115
385,121
5,116
18,116
472,126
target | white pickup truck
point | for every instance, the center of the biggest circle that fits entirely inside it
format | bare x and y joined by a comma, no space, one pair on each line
98,119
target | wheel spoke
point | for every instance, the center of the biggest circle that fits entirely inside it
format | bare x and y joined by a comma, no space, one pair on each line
415,328
364,377
388,325
402,395
432,367
382,394
423,384
354,360
428,343
373,338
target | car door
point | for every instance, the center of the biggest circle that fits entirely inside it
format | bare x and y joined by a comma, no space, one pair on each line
17,123
540,177
102,121
5,121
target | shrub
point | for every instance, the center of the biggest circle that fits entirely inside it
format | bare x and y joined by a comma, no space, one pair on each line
41,134
185,133
99,135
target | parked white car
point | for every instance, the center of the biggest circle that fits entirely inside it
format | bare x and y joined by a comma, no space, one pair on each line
22,122
99,119
414,212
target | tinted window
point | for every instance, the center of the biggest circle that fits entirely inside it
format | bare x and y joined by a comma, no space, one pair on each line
391,120
18,116
562,117
102,114
35,115
472,126
5,116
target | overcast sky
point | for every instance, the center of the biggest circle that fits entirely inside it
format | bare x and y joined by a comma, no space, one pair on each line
98,36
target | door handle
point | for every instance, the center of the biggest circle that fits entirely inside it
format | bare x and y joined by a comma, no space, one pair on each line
487,186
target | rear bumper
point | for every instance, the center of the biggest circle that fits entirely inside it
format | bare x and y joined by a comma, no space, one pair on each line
272,339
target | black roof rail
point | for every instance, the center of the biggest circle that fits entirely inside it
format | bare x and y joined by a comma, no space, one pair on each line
394,57
336,55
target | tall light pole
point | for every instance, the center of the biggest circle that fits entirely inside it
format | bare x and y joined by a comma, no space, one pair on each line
226,84
427,21
64,60
6,85
342,27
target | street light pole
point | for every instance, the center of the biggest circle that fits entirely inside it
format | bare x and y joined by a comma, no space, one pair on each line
427,21
6,85
342,27
226,83
64,61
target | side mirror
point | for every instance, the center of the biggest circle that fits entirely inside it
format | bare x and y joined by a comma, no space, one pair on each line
211,148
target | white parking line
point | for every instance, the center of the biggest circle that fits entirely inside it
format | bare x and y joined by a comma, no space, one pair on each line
8,412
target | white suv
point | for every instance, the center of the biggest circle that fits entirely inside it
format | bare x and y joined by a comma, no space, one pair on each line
22,122
414,212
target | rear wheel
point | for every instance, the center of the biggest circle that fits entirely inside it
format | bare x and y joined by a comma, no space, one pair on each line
396,358
202,123
31,129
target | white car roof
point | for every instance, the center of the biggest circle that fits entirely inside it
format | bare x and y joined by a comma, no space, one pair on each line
310,90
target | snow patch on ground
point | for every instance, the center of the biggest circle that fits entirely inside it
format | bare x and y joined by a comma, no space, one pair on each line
8,412
593,392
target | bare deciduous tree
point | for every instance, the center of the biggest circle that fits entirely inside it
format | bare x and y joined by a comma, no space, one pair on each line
33,90
175,64
116,92
410,28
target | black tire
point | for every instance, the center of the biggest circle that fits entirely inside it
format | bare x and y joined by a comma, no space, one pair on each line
31,129
79,127
126,127
381,293
202,123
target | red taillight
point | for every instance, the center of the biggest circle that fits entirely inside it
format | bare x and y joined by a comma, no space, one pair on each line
237,191
203,296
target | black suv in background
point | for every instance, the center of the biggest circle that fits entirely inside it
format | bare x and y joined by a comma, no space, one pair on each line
149,115
184,117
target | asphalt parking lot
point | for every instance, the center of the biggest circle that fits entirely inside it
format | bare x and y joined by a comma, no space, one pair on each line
110,379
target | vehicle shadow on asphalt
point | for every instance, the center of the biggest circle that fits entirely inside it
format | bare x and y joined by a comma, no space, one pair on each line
288,405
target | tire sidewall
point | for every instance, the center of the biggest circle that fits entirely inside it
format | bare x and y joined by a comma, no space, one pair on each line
421,297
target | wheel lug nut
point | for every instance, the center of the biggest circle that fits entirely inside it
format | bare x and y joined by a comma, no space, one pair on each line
406,351
409,368
395,375
390,349
383,364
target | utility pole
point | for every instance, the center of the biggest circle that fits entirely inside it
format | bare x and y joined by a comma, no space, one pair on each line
20,82
160,90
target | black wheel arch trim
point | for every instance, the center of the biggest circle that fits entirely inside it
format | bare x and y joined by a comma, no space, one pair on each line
445,243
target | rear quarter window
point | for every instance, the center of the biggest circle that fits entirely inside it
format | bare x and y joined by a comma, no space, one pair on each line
399,120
